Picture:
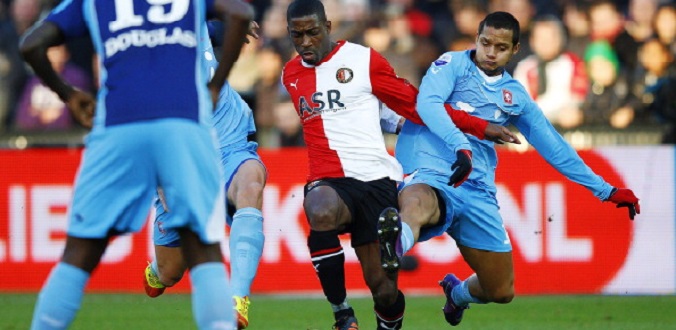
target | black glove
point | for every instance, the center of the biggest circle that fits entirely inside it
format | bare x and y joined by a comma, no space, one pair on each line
625,198
462,168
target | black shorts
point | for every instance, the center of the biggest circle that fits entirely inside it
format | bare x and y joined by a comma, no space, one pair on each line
365,201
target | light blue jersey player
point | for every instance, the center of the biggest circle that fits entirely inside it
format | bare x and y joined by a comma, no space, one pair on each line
152,127
475,81
245,177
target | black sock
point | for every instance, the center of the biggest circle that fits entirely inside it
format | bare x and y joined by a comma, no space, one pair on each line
328,260
391,317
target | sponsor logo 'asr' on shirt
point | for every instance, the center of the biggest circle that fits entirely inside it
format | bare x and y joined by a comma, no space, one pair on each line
329,101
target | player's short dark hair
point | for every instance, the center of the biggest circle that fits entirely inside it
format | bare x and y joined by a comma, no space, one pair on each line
502,20
301,8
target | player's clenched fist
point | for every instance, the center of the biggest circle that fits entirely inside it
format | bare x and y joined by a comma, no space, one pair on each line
462,167
81,105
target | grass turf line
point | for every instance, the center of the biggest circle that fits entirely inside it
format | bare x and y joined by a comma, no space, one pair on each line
173,311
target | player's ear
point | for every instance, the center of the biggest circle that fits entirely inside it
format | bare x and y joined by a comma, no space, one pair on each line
328,26
516,48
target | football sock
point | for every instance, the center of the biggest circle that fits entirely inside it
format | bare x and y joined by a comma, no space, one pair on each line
328,260
153,267
391,317
211,296
461,295
343,306
60,298
407,239
246,248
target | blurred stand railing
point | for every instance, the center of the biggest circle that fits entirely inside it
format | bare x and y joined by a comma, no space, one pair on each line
579,138
68,139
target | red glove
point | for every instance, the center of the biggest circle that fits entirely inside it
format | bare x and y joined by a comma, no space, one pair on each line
462,167
625,197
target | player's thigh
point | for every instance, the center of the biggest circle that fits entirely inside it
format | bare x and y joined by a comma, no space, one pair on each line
191,179
476,219
432,196
245,184
163,236
419,205
115,182
369,200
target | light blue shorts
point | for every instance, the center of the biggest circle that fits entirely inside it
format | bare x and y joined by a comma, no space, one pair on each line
472,217
123,165
232,158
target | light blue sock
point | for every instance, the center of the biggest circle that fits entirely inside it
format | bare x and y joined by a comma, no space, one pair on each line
461,295
407,239
211,297
153,266
60,298
246,248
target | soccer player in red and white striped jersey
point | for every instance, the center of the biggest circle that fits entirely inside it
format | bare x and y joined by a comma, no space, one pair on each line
338,89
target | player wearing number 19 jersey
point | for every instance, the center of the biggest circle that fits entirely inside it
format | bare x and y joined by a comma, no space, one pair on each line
152,127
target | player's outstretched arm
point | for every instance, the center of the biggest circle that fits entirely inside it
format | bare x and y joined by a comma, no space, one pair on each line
623,197
33,46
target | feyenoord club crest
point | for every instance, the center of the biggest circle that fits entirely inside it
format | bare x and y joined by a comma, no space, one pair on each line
344,75
507,96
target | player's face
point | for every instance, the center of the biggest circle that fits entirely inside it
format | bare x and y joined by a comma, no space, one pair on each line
494,49
310,37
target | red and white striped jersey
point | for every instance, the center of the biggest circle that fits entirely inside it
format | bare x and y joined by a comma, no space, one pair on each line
339,102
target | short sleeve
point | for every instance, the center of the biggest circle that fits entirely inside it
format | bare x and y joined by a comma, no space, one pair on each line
69,17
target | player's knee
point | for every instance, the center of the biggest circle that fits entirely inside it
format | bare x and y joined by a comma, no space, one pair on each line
321,216
252,191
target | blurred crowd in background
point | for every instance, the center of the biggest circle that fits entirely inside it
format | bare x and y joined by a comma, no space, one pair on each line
596,64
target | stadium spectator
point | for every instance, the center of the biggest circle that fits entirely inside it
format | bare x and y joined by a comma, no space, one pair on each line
555,78
267,88
151,129
337,89
577,24
289,129
654,86
273,32
435,200
640,19
396,43
39,108
14,20
665,25
524,11
607,100
246,72
466,15
607,23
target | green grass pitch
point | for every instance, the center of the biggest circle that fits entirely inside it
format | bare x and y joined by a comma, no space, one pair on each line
172,311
